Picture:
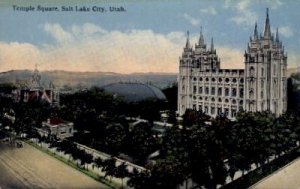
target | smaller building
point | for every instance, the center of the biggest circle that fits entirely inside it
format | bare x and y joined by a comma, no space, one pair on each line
33,91
56,127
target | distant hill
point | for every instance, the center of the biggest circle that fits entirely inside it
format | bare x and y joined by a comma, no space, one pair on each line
88,79
291,71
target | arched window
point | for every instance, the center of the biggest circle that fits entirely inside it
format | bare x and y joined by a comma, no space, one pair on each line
251,83
262,72
206,90
241,102
227,80
233,101
213,91
251,71
219,91
200,90
226,92
241,93
233,92
251,94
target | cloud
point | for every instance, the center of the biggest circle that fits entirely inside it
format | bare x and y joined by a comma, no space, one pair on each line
89,47
209,10
245,16
242,4
227,3
191,20
27,55
286,31
58,33
230,58
293,60
274,4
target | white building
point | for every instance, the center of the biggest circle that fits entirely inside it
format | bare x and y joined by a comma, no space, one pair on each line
56,127
262,85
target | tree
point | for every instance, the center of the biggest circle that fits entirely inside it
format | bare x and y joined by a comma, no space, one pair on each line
98,162
140,142
109,167
122,172
139,179
114,138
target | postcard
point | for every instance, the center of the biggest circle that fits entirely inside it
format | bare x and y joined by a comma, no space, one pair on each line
124,94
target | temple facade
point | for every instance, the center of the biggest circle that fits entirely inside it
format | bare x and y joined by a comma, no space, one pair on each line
260,86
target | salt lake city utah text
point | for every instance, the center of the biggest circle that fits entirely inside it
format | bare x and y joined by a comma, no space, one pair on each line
40,8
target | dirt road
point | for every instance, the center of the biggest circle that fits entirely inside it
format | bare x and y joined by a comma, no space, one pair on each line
28,167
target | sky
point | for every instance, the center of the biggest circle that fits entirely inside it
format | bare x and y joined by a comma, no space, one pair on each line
148,37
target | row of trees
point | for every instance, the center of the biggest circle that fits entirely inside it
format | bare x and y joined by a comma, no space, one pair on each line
108,166
208,150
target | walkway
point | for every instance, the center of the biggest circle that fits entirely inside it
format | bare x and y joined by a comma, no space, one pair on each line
286,177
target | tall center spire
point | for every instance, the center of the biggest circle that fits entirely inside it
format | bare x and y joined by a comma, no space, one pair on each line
201,38
267,31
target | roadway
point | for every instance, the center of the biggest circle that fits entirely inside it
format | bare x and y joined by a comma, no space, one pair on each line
28,167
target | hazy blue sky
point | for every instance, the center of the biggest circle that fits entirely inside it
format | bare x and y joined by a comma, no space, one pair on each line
148,37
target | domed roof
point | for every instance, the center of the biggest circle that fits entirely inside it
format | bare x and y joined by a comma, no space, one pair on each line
134,92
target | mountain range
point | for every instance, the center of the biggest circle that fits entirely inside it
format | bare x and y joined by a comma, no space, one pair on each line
87,79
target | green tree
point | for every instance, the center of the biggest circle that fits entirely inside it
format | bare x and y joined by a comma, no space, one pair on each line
122,172
109,167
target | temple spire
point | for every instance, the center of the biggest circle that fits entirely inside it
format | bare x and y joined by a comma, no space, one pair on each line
201,39
188,45
277,36
212,45
267,31
255,34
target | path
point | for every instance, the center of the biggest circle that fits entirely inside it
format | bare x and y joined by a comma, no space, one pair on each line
287,177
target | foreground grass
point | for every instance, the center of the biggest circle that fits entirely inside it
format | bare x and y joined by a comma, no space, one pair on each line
95,176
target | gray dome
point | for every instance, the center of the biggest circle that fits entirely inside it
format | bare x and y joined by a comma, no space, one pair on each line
134,92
